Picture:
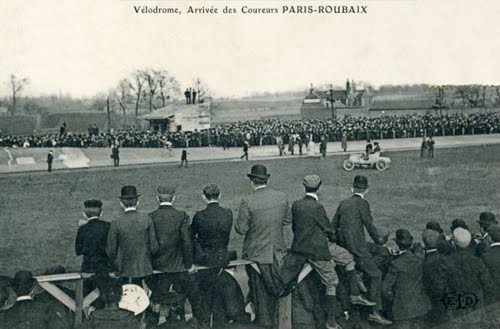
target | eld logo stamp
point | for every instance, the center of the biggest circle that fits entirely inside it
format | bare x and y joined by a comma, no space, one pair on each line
459,301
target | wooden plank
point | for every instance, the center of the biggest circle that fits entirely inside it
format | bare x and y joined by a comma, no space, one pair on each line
90,298
59,277
285,312
78,303
58,294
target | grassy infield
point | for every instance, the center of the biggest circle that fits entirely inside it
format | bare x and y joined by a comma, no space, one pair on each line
39,212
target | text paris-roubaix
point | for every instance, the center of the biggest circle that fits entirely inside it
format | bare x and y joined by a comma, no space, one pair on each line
310,9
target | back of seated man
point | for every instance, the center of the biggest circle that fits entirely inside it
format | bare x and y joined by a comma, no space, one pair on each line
28,313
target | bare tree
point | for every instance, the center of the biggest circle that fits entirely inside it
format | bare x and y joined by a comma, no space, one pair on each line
137,84
202,89
17,85
123,96
168,87
151,77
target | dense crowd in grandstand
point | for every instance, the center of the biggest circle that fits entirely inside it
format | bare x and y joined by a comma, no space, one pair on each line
337,278
271,131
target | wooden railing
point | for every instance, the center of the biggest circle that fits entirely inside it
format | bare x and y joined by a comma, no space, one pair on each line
81,302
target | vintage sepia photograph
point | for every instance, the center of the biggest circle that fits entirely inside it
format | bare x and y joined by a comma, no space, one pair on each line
249,164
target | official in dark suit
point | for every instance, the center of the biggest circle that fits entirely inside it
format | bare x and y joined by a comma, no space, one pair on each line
115,155
131,239
435,269
261,219
403,285
91,239
353,215
210,232
245,151
175,253
492,257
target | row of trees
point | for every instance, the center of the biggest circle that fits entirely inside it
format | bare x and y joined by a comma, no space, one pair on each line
145,89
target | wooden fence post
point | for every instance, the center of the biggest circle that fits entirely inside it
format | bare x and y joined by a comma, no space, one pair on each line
285,312
78,302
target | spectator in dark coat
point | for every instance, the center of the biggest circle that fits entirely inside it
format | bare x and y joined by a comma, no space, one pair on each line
7,294
28,313
175,253
353,215
492,257
403,284
435,269
482,241
229,301
131,239
469,276
91,239
210,231
311,233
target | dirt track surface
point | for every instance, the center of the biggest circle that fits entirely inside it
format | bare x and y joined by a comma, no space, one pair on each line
34,159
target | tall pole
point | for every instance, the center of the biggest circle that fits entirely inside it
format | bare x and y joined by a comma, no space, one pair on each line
109,115
331,102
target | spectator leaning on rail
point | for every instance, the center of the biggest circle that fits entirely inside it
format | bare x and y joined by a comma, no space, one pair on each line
261,219
353,215
403,286
210,231
132,240
174,256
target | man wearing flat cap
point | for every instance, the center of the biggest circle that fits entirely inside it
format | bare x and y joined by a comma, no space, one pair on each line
353,215
435,269
132,240
261,219
91,239
492,257
210,233
313,240
403,285
175,253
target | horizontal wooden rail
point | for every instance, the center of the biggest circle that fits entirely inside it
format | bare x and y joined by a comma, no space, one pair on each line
47,282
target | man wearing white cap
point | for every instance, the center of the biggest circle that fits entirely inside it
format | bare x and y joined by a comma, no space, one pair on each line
469,275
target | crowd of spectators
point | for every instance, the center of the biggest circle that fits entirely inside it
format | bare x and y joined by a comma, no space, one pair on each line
270,131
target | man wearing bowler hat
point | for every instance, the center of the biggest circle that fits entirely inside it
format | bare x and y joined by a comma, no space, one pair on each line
492,257
131,239
313,240
175,252
353,215
261,219
482,240
403,286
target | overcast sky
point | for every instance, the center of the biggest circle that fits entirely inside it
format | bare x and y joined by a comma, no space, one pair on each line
86,46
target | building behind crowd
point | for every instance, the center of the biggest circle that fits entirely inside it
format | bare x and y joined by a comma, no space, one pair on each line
179,117
328,103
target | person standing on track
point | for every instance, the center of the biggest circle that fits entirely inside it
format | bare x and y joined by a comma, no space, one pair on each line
115,155
184,157
50,159
245,151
